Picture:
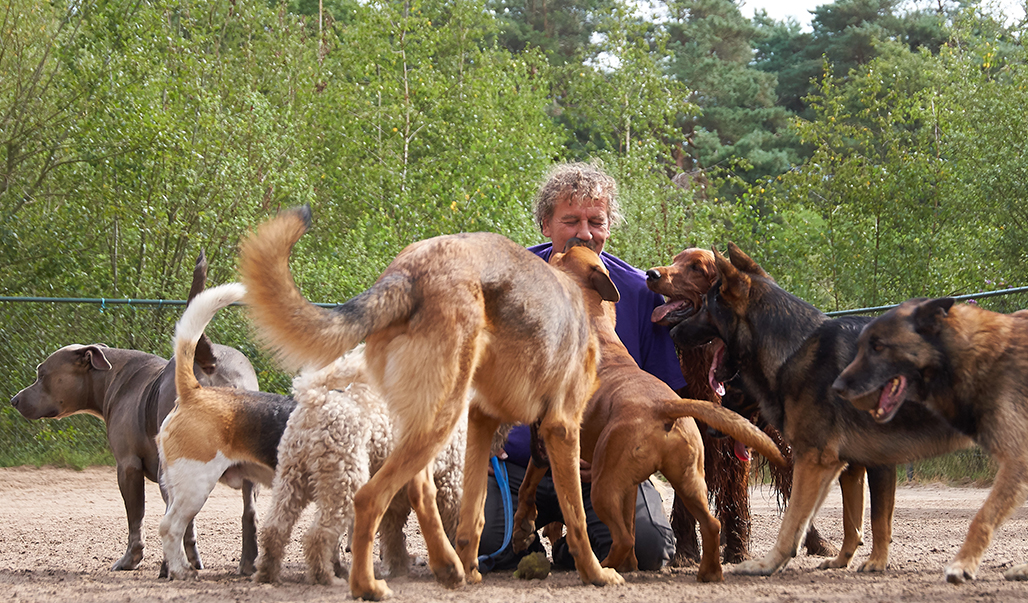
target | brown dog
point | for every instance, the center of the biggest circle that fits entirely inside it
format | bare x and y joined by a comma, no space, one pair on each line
786,354
213,434
970,366
634,426
132,392
449,313
684,284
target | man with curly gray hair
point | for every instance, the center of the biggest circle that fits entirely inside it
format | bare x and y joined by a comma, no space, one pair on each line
579,200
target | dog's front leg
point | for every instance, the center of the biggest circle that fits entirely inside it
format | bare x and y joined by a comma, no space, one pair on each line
852,483
130,482
561,435
813,474
1008,492
481,428
525,516
882,483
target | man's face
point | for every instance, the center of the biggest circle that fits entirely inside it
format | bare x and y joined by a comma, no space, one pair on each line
587,221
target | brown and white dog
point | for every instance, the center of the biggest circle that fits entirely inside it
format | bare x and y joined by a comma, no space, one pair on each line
634,426
213,434
450,313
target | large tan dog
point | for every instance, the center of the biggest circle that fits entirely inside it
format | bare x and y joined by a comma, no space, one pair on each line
634,426
448,313
970,366
212,434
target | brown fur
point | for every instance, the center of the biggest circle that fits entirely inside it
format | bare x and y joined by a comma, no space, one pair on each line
634,426
786,354
213,434
683,284
969,365
449,313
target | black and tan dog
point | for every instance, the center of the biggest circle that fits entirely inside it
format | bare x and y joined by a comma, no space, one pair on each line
684,283
448,314
132,392
786,354
213,434
970,366
634,426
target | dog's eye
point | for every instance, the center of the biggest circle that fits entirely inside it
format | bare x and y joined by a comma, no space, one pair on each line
877,346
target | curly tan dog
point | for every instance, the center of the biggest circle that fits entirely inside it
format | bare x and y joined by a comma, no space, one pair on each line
683,284
338,436
634,426
448,314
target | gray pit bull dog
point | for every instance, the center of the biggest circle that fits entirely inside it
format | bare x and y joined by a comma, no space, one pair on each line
132,392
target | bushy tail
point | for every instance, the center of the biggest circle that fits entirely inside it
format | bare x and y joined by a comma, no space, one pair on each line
191,326
727,422
300,333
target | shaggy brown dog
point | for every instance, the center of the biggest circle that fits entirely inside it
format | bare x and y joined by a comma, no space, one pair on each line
634,426
683,284
448,314
970,366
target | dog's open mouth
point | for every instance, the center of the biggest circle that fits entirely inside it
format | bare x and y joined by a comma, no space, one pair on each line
673,312
890,399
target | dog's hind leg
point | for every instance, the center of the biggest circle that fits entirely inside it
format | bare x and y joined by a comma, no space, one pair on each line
321,543
1009,491
421,441
249,520
852,483
812,477
882,483
130,482
391,538
191,482
290,495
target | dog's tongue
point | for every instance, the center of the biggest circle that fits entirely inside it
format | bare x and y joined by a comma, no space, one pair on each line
719,356
661,312
741,452
892,395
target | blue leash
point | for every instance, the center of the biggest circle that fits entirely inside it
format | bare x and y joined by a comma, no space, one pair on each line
487,562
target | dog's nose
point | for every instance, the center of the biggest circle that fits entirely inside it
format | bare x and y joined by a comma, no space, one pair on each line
652,275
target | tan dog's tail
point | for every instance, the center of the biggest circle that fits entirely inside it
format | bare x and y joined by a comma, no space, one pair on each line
730,423
190,328
300,333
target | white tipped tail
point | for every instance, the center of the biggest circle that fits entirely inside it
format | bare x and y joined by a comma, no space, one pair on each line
191,326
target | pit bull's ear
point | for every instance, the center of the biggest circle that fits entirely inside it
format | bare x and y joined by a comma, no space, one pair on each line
928,315
600,281
93,355
735,285
744,262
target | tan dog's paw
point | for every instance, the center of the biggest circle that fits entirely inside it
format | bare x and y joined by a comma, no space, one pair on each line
608,577
873,565
958,572
377,590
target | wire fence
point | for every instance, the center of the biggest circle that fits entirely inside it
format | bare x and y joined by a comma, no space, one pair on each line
33,328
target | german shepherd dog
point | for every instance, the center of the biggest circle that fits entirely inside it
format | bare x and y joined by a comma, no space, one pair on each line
448,314
786,354
970,366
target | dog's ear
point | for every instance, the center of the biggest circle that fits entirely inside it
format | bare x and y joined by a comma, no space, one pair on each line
93,355
600,281
735,284
929,314
744,262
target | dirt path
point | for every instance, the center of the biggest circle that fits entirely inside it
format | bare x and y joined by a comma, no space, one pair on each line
61,531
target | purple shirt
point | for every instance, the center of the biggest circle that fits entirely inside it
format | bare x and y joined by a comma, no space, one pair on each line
648,343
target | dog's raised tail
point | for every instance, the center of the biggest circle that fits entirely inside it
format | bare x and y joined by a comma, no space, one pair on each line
730,423
191,326
302,334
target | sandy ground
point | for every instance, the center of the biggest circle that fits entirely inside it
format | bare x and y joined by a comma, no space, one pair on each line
61,530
